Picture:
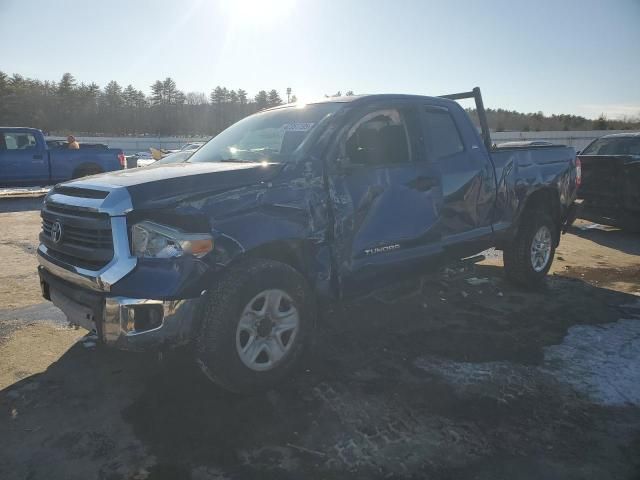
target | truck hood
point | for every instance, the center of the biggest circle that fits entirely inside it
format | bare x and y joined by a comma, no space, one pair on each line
154,186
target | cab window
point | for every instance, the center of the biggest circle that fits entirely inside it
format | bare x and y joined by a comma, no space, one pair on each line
17,141
379,138
442,136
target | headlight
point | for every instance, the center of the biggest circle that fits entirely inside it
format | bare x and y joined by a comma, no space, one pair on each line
149,239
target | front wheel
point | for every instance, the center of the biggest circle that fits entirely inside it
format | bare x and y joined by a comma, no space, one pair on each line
257,319
528,258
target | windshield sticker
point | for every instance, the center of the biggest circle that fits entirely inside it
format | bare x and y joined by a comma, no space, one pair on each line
297,126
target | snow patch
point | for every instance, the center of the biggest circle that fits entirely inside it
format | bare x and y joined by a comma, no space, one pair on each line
602,362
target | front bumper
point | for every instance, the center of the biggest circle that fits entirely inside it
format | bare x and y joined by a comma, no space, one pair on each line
121,322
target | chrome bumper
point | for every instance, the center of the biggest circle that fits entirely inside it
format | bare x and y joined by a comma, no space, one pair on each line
115,320
175,328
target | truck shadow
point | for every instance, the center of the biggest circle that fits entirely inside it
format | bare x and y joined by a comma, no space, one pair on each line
622,240
357,403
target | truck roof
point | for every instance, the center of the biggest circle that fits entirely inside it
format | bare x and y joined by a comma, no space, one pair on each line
10,129
622,135
377,96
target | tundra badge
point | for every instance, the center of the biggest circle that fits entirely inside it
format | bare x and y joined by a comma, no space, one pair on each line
384,249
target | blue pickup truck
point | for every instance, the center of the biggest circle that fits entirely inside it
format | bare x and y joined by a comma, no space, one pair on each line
236,252
26,159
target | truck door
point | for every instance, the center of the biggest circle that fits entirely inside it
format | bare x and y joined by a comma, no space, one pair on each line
467,176
22,160
385,198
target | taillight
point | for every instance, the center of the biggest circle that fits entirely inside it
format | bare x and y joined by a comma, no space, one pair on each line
578,172
123,161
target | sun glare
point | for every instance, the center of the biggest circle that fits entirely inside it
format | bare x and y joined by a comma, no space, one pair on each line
256,12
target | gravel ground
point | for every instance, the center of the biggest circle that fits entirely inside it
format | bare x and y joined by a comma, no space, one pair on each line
457,376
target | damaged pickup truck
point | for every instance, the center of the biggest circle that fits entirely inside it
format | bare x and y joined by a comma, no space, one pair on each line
235,251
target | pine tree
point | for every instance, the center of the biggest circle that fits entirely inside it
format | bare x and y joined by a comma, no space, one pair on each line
601,123
218,95
273,98
262,100
67,85
157,93
129,96
113,95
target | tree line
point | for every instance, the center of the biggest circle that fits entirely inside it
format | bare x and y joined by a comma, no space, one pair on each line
501,120
69,106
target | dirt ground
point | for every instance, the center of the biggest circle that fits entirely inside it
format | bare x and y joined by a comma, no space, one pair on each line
459,376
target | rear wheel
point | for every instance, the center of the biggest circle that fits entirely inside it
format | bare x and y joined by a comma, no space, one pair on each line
528,258
256,323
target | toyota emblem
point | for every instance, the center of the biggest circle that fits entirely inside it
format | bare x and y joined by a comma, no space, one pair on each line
56,232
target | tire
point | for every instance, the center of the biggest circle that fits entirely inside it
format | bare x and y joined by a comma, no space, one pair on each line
240,322
521,265
86,171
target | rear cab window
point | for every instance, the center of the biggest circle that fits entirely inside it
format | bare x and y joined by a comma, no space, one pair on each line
614,146
442,137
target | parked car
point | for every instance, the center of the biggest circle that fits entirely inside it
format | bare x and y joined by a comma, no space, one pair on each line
610,190
171,158
25,159
236,251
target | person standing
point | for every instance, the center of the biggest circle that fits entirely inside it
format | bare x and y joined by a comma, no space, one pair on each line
72,143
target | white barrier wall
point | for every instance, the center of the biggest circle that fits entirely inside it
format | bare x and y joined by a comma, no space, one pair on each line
131,145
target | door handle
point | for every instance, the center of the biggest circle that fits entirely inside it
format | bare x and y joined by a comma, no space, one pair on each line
37,156
423,183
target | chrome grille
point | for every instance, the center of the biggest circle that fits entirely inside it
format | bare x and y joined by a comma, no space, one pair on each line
86,240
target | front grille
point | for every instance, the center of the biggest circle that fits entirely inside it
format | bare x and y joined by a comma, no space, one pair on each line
86,239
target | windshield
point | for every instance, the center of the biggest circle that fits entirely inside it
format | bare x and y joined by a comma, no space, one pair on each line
175,157
614,146
270,136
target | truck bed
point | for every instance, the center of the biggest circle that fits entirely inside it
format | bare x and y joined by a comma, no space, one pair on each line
520,170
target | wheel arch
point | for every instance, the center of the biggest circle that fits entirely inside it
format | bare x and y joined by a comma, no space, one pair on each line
86,167
546,199
291,252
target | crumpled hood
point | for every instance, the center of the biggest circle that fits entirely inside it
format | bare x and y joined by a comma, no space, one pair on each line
156,185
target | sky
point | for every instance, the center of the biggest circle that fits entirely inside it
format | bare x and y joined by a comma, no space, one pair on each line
556,56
